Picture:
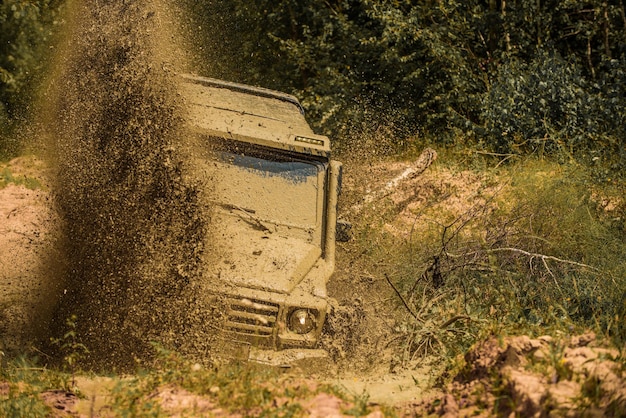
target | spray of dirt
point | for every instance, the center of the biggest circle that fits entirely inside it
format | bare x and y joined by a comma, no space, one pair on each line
135,224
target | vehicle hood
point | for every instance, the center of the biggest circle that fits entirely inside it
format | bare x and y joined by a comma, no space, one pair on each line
248,253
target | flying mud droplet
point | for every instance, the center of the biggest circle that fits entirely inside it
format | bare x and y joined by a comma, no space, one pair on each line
135,221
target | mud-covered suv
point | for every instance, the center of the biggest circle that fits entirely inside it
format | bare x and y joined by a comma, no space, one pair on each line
274,188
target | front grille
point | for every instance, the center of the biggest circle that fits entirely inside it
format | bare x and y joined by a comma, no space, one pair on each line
251,316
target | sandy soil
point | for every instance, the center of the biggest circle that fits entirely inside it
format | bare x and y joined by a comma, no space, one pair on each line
27,261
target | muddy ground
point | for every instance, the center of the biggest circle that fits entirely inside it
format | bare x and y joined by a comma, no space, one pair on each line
506,376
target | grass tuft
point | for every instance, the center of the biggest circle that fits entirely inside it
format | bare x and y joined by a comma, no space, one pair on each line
7,177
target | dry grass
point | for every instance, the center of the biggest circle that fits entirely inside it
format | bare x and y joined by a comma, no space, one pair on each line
530,247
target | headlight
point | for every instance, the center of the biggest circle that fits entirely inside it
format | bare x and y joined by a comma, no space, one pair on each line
302,321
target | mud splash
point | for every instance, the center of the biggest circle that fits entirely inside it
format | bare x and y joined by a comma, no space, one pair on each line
135,224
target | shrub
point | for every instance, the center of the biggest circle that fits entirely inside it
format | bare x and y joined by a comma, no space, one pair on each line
537,256
542,106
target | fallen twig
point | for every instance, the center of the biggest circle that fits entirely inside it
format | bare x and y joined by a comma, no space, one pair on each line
542,256
406,305
454,319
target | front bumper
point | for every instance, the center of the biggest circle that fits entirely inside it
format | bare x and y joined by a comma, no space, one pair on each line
315,360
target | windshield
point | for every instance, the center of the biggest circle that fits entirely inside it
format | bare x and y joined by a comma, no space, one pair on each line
269,186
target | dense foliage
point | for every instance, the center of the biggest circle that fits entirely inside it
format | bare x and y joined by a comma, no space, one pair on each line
514,76
26,30
517,76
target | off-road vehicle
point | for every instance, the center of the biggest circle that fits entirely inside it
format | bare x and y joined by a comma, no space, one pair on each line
273,190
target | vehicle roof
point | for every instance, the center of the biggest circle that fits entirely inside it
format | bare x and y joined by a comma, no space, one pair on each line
250,114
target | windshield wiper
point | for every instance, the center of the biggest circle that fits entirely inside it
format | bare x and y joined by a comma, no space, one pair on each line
249,217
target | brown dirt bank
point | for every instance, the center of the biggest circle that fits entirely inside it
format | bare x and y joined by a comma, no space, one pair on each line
28,266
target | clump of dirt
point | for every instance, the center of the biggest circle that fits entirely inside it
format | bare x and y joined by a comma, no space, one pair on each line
134,217
344,330
543,376
61,402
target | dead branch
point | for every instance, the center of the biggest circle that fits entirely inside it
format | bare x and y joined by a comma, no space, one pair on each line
453,320
543,257
430,302
404,302
495,154
426,158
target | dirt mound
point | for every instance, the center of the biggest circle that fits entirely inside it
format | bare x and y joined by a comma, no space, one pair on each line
176,402
539,377
414,205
